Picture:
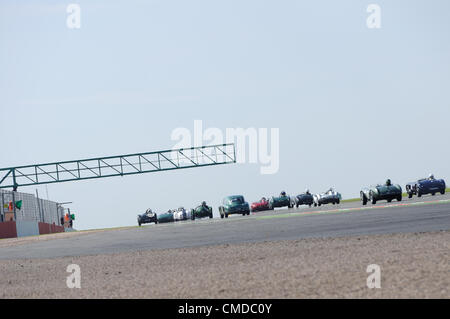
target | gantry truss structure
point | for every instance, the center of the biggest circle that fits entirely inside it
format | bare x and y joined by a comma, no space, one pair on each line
121,165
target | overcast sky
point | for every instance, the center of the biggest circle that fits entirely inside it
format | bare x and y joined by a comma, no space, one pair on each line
353,105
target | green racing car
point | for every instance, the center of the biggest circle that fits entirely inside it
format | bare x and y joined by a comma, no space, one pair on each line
202,211
387,191
281,201
234,204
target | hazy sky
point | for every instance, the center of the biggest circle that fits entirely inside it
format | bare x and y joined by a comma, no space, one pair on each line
353,105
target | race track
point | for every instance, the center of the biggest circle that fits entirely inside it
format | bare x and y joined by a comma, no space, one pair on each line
417,215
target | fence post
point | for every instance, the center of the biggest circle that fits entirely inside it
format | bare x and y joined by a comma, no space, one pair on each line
43,210
57,214
2,212
39,205
14,204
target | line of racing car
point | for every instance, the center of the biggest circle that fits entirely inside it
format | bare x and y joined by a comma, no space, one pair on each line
236,204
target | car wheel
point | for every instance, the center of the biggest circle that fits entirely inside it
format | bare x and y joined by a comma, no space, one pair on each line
139,224
443,192
389,200
399,198
226,215
419,194
374,201
433,194
363,199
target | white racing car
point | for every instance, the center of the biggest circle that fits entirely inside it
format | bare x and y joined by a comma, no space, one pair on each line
181,214
329,197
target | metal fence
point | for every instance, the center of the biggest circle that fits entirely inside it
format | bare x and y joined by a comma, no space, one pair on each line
32,208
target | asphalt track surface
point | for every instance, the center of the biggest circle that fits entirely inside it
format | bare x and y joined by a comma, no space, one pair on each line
351,219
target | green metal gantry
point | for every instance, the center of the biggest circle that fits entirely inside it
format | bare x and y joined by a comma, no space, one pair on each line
121,165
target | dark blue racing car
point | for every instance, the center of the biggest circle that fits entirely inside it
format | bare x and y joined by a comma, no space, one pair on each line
148,217
425,186
304,199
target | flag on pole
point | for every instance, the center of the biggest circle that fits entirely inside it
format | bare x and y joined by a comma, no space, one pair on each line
19,204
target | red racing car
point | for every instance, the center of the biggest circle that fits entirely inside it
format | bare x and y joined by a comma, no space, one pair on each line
263,204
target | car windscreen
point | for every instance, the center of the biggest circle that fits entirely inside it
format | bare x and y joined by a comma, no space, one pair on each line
236,200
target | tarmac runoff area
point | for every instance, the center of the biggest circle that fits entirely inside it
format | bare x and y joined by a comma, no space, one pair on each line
307,253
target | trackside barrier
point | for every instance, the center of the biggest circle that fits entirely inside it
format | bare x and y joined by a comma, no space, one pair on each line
27,228
45,228
31,208
8,230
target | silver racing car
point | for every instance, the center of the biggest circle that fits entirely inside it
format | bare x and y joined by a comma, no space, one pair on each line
181,214
329,197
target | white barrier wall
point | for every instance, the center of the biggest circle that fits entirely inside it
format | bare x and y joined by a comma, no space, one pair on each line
27,228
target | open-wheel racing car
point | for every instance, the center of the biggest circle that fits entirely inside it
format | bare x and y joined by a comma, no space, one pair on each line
181,214
234,204
202,211
304,199
281,201
166,217
329,197
148,217
261,205
387,191
425,186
